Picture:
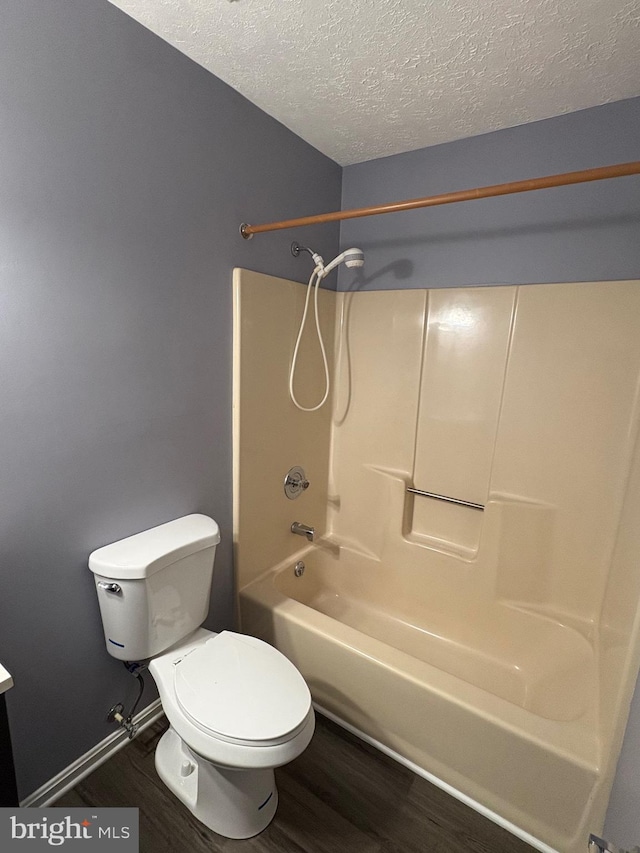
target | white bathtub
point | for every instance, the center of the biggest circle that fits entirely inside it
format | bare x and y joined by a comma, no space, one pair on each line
496,704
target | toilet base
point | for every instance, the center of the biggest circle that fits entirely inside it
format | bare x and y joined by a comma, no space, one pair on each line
233,803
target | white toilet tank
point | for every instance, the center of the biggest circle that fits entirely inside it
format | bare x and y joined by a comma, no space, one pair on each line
153,588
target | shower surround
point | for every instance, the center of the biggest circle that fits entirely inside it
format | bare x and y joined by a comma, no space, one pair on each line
494,649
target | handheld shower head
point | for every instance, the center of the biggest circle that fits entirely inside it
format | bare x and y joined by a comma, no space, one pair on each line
352,258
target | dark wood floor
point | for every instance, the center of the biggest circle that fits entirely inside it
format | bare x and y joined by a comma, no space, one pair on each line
340,795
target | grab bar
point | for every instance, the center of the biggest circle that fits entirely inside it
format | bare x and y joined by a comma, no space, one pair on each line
437,497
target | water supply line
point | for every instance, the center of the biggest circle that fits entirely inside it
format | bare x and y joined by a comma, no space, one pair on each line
116,713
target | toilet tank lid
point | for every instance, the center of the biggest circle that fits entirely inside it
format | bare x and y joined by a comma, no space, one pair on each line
142,554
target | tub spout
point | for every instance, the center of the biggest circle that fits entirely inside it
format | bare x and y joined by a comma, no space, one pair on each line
303,530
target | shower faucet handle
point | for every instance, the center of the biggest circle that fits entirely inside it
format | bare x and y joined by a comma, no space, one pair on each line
295,482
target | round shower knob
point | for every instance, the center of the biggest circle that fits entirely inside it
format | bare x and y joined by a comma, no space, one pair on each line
295,482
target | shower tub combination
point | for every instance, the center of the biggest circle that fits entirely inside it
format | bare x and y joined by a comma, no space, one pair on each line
492,644
499,705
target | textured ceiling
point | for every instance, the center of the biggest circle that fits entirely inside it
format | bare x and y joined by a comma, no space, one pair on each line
360,79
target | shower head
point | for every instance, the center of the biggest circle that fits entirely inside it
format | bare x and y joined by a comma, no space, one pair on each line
352,258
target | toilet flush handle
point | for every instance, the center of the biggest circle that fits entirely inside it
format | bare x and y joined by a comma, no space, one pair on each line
115,588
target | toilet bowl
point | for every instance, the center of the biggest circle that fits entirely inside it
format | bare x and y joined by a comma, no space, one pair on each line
237,707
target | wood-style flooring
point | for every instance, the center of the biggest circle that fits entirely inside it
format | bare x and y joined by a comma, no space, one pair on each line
340,795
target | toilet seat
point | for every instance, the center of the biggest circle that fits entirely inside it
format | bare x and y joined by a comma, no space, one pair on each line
241,690
205,742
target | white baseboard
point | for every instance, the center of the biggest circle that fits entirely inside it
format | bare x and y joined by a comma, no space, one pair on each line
458,795
52,790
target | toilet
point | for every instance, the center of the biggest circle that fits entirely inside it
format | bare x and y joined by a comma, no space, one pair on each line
237,707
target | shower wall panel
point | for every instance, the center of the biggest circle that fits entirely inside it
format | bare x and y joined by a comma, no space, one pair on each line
465,355
619,658
567,427
273,435
378,366
522,399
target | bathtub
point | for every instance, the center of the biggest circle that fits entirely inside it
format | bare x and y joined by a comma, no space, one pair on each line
497,706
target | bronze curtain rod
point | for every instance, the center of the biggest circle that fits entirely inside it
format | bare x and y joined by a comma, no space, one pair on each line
618,171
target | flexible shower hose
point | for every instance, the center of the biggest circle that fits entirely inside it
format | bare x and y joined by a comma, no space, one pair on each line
314,281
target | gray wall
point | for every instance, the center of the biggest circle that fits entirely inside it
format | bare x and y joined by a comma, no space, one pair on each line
622,825
125,170
587,232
